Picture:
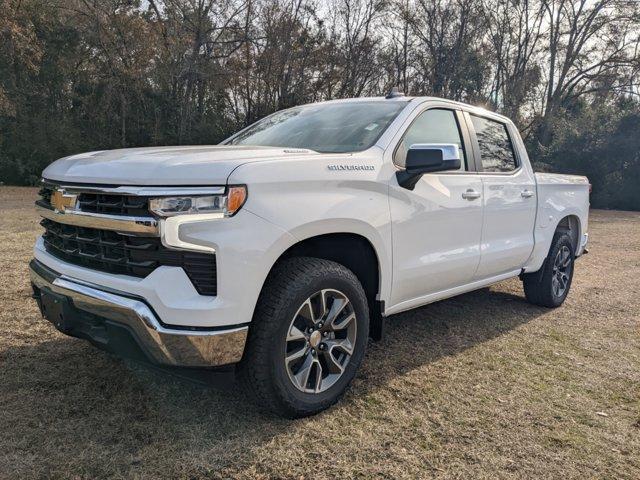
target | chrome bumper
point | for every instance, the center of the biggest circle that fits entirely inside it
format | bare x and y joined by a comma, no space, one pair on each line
162,345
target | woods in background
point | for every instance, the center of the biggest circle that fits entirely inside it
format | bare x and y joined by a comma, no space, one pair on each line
78,75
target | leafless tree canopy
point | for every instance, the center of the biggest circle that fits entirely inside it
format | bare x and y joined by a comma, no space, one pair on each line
89,74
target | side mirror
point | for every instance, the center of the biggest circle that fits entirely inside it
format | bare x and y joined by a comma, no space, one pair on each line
428,158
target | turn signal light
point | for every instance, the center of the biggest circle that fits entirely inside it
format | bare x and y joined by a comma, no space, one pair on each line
236,196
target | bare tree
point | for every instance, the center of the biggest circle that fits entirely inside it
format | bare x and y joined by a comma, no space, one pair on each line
357,42
450,32
515,31
398,46
588,42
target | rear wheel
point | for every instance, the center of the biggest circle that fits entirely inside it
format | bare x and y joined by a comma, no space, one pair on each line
550,285
307,338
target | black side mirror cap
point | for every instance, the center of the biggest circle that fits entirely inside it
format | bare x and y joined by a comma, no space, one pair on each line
428,158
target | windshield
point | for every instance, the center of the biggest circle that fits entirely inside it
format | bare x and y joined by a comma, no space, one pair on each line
326,128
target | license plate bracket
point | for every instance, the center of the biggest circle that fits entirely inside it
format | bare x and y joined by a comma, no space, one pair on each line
55,308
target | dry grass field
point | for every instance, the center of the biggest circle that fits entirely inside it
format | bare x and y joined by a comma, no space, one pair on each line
480,386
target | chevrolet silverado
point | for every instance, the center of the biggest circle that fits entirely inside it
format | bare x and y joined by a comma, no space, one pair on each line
282,250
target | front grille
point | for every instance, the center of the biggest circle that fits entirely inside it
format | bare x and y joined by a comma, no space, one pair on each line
108,204
112,252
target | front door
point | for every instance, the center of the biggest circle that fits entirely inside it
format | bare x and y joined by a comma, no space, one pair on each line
436,226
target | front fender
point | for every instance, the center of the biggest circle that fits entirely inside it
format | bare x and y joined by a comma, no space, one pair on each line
307,199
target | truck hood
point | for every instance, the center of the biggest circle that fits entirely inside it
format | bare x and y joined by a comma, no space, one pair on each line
190,165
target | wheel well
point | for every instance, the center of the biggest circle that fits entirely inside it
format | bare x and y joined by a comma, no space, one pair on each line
571,225
357,254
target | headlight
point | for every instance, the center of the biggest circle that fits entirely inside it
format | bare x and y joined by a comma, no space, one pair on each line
227,204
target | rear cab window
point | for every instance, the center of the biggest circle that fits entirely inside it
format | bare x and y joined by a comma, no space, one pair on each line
496,149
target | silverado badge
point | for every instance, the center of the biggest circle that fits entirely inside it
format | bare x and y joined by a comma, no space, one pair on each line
61,200
351,167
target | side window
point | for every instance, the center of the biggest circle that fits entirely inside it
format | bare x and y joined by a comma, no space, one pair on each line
496,150
431,126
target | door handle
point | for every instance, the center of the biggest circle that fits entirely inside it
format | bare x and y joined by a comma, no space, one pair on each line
471,194
526,194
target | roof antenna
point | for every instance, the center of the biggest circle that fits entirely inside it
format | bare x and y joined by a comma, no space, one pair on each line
394,93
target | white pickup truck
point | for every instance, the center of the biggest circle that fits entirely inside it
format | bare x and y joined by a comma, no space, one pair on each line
282,250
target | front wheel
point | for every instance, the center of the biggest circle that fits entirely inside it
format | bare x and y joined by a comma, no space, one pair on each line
550,285
307,338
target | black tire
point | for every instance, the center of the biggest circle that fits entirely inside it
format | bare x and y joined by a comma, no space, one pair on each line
539,287
263,371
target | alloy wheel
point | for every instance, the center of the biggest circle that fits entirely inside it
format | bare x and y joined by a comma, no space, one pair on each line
320,341
561,273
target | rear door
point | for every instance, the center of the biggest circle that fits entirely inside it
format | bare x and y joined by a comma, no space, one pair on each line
509,196
436,226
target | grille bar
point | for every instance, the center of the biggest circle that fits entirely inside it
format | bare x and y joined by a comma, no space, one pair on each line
113,204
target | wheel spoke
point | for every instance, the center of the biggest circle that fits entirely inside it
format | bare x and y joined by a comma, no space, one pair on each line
317,381
344,323
295,334
296,355
306,312
302,377
343,344
323,305
338,306
332,363
317,306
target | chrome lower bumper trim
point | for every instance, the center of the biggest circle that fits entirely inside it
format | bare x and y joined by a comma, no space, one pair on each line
133,225
165,346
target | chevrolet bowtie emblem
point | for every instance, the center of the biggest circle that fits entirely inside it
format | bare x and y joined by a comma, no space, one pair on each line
60,200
